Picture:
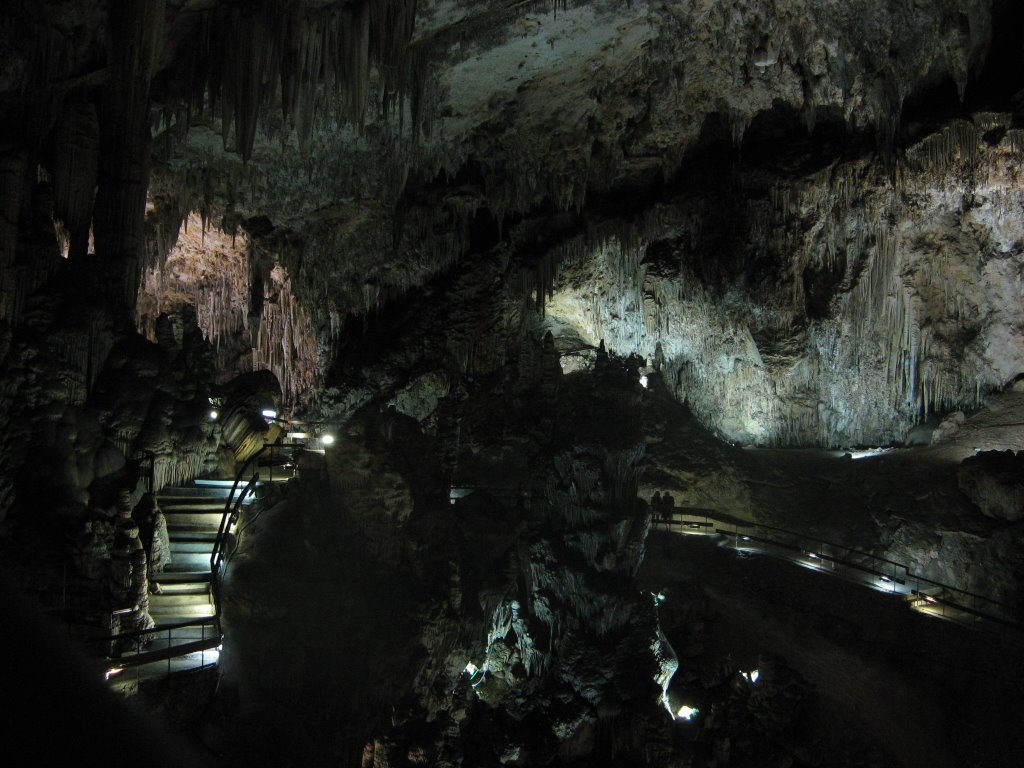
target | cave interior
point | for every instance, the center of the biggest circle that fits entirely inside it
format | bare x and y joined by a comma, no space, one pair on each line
620,382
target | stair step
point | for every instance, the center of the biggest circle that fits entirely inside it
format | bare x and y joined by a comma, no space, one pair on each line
198,632
198,587
190,535
177,505
177,530
174,613
214,483
199,493
166,601
176,572
188,562
172,514
190,548
202,486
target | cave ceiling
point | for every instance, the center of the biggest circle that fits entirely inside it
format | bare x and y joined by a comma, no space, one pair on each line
762,196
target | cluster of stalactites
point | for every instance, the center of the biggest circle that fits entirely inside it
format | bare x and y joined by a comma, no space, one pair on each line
895,344
207,269
286,342
626,240
210,270
244,58
179,467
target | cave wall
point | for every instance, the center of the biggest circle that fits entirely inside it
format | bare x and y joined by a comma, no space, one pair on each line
839,309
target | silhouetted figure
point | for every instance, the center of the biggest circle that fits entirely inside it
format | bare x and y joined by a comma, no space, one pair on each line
601,361
656,505
668,505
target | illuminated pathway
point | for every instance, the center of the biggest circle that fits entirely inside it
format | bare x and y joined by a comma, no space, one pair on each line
921,594
187,633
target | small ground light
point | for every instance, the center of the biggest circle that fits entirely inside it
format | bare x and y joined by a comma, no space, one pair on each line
327,439
214,415
687,713
269,413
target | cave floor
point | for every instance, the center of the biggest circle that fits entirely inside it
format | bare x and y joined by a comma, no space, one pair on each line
909,689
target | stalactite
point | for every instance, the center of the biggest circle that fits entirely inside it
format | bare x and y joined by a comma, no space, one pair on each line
244,58
285,341
935,155
205,271
76,159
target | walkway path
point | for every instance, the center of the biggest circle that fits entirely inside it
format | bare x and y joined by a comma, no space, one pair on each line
921,594
187,633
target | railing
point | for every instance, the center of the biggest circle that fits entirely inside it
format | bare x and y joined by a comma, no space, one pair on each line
127,650
265,457
886,575
135,649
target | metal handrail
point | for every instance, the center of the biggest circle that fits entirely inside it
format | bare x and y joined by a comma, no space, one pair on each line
750,533
219,554
232,510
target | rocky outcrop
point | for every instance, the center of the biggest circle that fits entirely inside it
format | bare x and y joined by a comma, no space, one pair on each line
994,481
834,310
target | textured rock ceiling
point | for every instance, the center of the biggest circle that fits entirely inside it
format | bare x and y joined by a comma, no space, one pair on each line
774,162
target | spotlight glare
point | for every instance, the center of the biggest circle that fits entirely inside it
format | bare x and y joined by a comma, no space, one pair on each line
327,439
214,415
687,713
269,413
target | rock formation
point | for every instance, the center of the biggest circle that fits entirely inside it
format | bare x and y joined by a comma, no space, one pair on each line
529,262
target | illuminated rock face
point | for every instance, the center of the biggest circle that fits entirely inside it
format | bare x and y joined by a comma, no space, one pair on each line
828,302
834,309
